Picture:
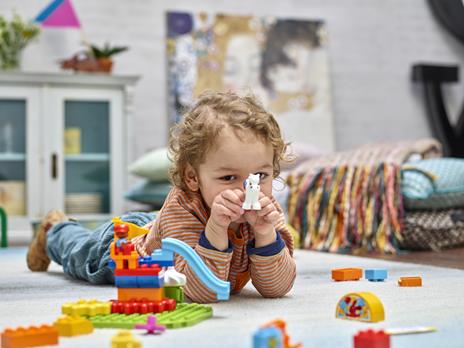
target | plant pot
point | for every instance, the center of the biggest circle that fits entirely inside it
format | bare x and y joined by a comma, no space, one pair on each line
105,64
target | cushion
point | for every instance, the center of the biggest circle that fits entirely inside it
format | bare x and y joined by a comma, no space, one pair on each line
150,192
154,165
433,183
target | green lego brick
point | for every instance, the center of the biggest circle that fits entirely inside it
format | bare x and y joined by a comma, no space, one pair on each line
174,292
186,314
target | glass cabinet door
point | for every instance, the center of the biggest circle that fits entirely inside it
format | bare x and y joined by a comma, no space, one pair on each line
86,149
13,156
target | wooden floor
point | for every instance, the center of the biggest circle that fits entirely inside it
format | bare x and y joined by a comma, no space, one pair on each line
452,258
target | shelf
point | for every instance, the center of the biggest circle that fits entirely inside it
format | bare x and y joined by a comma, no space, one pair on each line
91,157
12,156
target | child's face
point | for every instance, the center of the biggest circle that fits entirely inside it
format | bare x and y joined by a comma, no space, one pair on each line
230,162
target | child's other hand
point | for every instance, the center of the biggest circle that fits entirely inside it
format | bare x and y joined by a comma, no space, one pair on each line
265,219
227,207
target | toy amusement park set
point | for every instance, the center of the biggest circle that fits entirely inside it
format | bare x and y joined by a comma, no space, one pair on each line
150,297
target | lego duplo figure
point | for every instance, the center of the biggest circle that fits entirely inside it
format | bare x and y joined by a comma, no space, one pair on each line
252,190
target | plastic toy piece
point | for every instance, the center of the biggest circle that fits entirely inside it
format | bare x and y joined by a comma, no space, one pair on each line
125,339
410,330
185,314
174,292
86,307
142,307
150,294
376,275
164,258
33,336
151,326
142,270
220,287
267,337
73,326
174,278
344,274
124,260
252,190
371,339
282,326
134,230
410,281
139,281
362,306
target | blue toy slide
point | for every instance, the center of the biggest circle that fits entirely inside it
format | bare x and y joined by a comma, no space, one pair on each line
220,287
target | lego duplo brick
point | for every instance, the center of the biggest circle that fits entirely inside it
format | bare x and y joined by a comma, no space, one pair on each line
86,307
345,274
125,339
371,339
174,292
186,314
410,281
73,326
142,270
152,281
376,275
150,294
142,307
164,258
33,336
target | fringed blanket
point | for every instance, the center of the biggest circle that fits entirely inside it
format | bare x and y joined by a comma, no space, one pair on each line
351,200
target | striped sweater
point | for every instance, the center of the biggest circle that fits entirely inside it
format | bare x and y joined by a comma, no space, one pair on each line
184,217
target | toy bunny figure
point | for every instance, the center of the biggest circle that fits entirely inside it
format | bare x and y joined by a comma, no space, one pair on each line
252,193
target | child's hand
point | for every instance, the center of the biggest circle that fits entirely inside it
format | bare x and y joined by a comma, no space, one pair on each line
227,207
263,221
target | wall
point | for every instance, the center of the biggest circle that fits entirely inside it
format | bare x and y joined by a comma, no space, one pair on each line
372,45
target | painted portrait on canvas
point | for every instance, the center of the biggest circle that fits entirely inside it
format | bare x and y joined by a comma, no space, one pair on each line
283,62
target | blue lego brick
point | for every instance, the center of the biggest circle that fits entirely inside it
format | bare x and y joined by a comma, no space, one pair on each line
376,275
139,281
150,282
267,337
164,258
111,264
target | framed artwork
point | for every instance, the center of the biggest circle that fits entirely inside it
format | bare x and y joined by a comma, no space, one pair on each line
283,62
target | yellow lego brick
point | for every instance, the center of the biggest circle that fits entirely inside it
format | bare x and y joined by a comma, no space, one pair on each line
86,307
125,339
73,326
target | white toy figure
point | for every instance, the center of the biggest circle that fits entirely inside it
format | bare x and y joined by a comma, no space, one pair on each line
252,193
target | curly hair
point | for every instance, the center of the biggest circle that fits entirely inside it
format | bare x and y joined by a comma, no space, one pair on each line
197,133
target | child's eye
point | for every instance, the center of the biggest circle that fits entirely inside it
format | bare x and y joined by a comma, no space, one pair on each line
262,176
228,178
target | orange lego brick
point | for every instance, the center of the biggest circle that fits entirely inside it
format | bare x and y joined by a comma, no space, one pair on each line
151,294
410,281
33,336
344,274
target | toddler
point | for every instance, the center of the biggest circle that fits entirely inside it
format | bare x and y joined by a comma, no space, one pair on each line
219,142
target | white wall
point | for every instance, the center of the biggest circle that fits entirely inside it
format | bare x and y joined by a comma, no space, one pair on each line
372,45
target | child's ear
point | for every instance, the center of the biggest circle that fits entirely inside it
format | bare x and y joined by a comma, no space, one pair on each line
191,178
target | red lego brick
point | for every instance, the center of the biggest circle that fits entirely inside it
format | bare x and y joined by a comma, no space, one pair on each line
371,339
142,307
143,270
44,335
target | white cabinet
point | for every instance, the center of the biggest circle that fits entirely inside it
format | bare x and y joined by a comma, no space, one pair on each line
63,145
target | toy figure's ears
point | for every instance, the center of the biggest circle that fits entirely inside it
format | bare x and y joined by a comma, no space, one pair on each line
191,178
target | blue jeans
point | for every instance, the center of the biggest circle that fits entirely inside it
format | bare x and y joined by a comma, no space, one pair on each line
84,254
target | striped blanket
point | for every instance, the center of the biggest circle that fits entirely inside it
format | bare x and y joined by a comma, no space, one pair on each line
351,201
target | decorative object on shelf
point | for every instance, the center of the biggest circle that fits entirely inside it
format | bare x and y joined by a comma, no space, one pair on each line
14,37
59,13
13,197
95,59
72,141
4,227
83,203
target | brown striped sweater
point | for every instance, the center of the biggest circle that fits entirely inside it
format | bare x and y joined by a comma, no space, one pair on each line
184,217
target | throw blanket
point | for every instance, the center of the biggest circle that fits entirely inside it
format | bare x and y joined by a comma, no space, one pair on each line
352,200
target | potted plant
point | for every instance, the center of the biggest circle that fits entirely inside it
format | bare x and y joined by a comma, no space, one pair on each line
103,55
14,36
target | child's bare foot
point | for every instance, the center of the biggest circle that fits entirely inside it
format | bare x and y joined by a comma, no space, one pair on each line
37,258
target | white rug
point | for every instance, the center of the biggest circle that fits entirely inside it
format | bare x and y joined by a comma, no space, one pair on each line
35,298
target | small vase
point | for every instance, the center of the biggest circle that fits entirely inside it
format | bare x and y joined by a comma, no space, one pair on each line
106,64
11,62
